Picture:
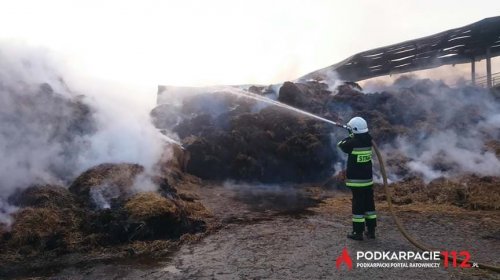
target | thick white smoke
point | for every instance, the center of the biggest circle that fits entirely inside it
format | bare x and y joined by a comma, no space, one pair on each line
55,124
124,132
452,141
456,154
326,76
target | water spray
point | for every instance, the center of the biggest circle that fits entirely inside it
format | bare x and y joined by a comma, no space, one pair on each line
264,99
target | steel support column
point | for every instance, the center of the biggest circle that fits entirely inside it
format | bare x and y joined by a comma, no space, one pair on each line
488,68
473,71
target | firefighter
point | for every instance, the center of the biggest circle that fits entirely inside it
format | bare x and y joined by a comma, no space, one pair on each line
359,178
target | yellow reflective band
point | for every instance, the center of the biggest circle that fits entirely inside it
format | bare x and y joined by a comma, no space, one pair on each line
370,217
358,220
358,184
354,183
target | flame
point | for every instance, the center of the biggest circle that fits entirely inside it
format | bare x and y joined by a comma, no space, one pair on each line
344,258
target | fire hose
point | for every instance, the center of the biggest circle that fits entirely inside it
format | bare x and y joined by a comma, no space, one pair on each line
400,226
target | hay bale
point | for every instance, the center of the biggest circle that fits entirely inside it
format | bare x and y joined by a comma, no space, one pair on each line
405,192
482,193
188,195
153,216
470,192
195,210
397,163
44,196
32,225
260,146
180,157
445,191
3,232
109,181
165,116
291,94
43,228
144,206
494,146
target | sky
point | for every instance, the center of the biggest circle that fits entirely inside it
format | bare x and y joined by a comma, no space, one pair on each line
189,42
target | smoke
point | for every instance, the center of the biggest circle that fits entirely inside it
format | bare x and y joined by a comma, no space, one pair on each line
325,76
55,124
123,134
102,195
447,128
447,154
144,183
5,212
427,128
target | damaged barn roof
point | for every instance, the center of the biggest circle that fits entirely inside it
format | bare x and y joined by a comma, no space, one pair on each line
459,45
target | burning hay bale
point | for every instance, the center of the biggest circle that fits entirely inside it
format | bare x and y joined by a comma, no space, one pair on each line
44,229
470,192
179,160
165,116
195,210
44,196
481,192
230,136
55,218
147,216
144,206
292,95
397,164
155,215
254,147
106,184
494,145
120,212
49,219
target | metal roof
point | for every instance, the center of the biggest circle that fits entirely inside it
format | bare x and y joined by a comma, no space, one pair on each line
459,45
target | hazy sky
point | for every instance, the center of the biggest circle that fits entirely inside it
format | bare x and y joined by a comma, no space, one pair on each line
223,42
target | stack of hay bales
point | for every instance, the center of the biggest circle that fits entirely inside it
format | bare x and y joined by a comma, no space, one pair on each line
54,218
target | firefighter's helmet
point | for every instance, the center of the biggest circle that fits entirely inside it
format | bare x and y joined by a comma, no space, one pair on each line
358,125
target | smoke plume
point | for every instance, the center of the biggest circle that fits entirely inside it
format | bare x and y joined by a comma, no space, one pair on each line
54,127
444,129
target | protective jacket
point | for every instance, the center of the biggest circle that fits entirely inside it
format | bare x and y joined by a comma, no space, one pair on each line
359,161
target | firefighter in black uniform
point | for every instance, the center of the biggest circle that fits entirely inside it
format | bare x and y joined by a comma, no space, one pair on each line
359,178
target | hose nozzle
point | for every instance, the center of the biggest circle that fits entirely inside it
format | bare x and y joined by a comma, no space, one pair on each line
345,126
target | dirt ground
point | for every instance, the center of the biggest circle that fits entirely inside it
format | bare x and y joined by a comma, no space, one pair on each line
298,232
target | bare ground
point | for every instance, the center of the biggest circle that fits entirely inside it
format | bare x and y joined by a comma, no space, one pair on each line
297,233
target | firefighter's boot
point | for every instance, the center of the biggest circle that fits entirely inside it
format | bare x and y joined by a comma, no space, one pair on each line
371,224
358,226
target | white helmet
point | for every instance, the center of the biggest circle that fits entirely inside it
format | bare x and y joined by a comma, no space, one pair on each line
358,125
